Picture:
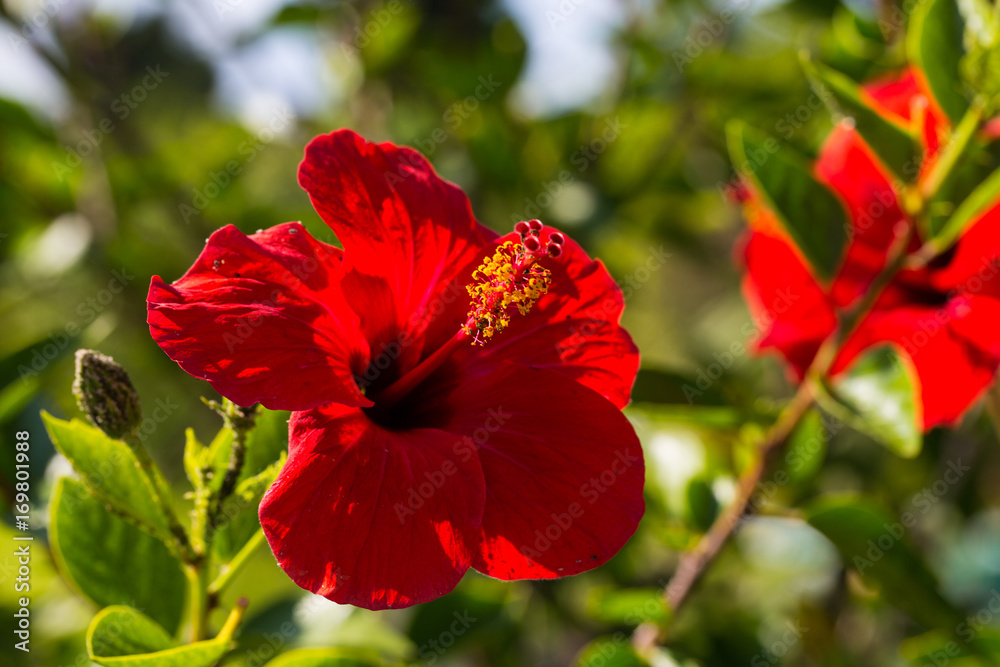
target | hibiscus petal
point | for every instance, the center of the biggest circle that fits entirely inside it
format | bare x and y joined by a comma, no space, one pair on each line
848,166
563,468
262,319
573,330
373,517
789,309
953,348
975,264
409,234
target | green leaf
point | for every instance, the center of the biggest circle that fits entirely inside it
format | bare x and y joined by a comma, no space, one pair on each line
124,636
612,651
806,447
934,44
110,470
984,197
329,657
811,214
196,458
266,442
878,397
873,544
664,386
945,646
702,505
238,512
111,561
892,142
630,607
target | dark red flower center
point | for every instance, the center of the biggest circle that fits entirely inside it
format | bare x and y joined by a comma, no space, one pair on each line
510,278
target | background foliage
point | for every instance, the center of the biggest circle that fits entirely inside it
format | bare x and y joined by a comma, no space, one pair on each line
129,132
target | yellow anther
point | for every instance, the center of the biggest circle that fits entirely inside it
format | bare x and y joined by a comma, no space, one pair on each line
509,278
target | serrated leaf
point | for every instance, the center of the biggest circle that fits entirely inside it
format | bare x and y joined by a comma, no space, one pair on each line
813,217
109,560
329,657
890,141
124,637
934,44
874,544
878,397
110,470
984,197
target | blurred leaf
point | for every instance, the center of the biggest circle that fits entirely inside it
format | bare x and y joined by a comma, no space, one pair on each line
612,651
890,141
871,542
701,503
878,397
32,359
806,447
811,214
721,418
329,657
110,470
630,607
985,196
124,636
109,560
938,647
663,386
934,44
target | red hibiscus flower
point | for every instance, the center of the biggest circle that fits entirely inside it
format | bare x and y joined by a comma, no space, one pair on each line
943,316
440,419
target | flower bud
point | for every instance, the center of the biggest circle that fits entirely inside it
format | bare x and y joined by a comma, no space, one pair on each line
105,394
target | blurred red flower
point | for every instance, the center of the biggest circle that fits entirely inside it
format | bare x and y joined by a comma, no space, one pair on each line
414,453
943,317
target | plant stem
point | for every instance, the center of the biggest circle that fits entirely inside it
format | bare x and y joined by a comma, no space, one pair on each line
231,569
953,152
694,563
197,576
161,496
235,616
